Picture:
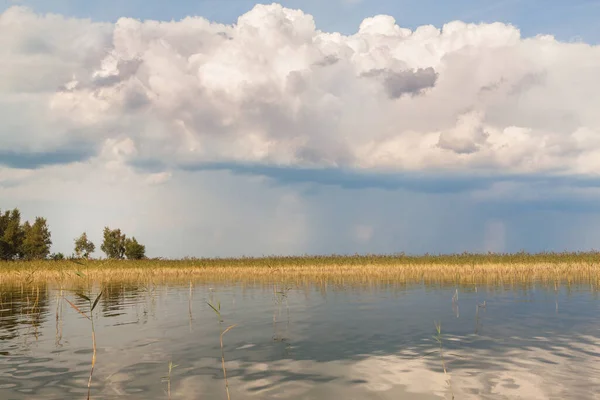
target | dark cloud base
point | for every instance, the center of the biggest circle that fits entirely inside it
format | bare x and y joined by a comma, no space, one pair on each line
430,182
34,160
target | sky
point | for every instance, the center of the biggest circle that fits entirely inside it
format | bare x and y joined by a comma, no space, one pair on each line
230,128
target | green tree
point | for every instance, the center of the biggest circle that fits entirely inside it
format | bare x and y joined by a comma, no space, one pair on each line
83,246
11,235
114,243
37,240
134,250
25,230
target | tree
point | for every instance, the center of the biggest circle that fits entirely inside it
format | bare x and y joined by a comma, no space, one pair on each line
11,235
25,229
83,246
134,250
57,256
114,243
37,240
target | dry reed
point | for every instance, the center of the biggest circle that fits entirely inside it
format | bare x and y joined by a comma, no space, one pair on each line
461,270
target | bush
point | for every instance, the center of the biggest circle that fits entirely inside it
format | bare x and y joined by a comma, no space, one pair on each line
134,250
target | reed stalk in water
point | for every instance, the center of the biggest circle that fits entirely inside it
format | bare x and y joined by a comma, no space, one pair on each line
217,309
438,338
223,360
90,317
168,378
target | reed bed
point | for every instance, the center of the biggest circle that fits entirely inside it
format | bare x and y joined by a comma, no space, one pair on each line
459,269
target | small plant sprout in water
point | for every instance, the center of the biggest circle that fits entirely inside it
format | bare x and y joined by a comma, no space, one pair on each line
90,317
167,378
478,306
280,296
190,316
216,308
455,304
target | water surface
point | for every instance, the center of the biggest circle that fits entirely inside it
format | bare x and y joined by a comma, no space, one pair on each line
310,341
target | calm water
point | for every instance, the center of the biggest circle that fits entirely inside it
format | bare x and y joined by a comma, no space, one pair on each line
308,342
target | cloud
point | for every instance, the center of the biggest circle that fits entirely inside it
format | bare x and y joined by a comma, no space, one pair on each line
405,82
437,181
31,160
274,91
158,178
467,137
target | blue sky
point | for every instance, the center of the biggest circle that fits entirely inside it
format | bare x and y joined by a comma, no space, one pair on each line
269,137
567,20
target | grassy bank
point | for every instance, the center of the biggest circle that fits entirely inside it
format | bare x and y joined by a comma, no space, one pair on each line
457,268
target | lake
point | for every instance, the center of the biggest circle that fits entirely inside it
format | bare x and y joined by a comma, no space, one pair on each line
302,341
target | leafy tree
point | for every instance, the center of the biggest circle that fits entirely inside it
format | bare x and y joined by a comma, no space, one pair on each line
83,246
114,243
37,240
57,256
11,235
134,250
4,248
25,230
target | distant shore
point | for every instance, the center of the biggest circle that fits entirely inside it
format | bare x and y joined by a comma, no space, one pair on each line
463,269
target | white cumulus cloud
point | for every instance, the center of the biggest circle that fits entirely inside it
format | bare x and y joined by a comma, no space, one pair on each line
274,90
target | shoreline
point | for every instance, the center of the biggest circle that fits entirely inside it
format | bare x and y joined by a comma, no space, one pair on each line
462,269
